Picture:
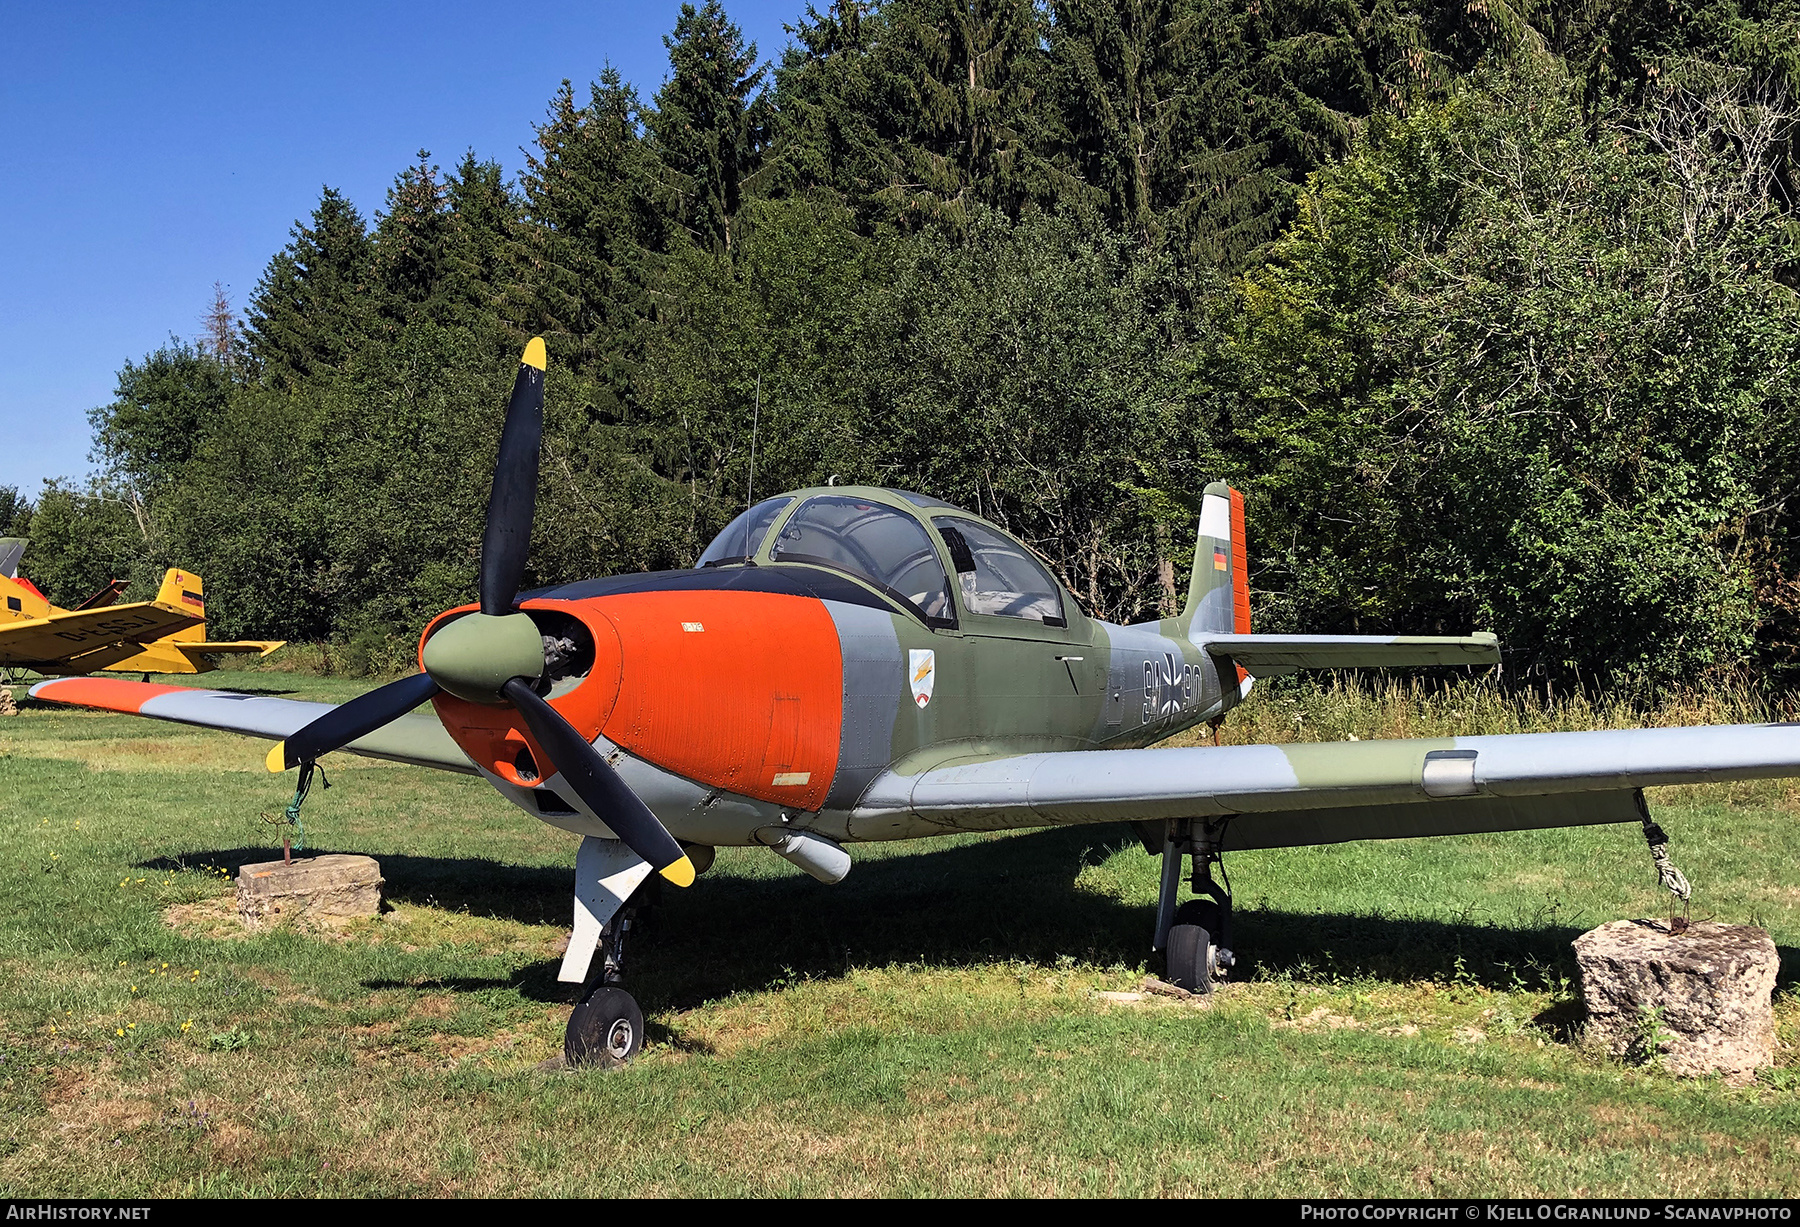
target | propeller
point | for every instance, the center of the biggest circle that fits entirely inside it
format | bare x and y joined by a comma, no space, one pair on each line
495,656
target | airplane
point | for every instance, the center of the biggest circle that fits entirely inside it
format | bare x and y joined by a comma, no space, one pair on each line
165,635
846,664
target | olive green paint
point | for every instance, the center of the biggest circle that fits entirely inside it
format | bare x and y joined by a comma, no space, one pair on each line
475,655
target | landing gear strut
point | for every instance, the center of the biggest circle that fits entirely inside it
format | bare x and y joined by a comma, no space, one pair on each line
1194,938
607,1027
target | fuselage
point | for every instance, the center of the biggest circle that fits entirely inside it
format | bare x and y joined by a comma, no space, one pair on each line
765,690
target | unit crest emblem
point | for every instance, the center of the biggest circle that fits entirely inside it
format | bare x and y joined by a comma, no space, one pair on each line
921,668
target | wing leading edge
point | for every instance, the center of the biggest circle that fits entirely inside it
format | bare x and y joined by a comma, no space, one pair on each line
415,738
1314,793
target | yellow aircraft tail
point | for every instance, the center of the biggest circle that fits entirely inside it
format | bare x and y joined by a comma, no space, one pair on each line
183,590
185,651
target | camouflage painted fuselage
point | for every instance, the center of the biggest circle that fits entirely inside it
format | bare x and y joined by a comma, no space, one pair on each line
743,696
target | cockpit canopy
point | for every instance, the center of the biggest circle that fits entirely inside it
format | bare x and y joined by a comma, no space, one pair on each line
905,545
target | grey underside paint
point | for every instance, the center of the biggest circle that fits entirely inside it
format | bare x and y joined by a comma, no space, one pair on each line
874,685
415,738
1465,816
1505,782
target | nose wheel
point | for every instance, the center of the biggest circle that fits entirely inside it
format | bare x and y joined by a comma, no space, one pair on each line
606,1028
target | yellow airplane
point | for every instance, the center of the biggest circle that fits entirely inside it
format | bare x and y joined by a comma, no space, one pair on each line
166,635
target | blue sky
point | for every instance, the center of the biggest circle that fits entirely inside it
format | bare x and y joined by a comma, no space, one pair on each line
149,150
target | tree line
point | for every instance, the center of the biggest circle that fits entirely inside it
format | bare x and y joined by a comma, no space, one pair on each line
1489,309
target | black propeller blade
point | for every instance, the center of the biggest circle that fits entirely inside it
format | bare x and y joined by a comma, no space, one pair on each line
599,786
345,723
505,540
513,501
474,655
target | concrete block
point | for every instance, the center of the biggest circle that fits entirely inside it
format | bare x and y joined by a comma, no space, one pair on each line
1709,989
318,887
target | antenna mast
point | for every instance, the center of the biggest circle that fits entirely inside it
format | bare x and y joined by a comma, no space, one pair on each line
755,415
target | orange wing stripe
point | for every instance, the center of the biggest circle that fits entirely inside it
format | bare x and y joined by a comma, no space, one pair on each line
107,693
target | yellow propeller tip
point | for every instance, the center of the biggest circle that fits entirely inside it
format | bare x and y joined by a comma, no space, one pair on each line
534,353
277,759
680,872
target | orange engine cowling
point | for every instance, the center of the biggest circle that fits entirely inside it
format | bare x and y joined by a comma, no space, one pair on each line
741,691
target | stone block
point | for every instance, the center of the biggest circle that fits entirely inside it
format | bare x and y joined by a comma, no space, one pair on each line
316,887
1710,988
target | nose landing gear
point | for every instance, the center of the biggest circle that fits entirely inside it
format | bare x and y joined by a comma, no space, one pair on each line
1194,938
606,1028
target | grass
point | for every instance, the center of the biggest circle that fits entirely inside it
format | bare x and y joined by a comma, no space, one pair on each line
930,1026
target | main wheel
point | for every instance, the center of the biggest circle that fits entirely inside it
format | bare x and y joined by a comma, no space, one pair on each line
1190,958
606,1029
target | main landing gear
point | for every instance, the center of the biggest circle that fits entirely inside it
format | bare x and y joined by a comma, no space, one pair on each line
1194,938
607,1027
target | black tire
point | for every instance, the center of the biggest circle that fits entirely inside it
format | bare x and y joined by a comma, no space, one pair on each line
606,1030
1190,958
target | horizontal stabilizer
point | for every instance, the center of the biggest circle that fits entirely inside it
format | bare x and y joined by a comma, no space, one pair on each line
416,737
1269,655
237,647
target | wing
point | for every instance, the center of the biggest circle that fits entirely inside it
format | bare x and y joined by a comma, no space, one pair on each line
1320,793
415,738
1270,655
72,633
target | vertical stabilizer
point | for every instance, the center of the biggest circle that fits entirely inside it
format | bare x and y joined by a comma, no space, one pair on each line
182,590
11,550
1218,601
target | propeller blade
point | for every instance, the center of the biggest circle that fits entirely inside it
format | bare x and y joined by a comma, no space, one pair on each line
511,504
599,786
345,723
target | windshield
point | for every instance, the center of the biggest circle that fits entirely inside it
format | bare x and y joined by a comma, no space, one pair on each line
874,542
743,535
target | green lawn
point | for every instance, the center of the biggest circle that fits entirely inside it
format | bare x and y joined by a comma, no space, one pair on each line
929,1026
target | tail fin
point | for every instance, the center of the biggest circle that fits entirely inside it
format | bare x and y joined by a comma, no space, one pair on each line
1218,601
182,590
11,550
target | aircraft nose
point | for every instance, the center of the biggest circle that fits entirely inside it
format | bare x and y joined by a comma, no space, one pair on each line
581,670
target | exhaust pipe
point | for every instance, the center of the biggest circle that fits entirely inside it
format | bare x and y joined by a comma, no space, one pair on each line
823,858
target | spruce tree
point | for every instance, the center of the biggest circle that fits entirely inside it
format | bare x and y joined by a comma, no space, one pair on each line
411,245
594,213
963,80
482,262
830,126
708,122
311,309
